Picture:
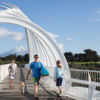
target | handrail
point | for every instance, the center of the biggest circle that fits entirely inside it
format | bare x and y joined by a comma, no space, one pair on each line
83,70
84,82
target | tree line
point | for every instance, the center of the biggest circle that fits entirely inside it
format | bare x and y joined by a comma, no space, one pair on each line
20,59
88,56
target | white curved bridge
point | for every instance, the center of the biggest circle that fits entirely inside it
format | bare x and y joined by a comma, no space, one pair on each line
39,42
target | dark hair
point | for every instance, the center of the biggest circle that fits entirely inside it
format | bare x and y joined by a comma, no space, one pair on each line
36,55
58,62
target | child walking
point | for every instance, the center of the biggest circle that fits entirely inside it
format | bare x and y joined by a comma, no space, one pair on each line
58,76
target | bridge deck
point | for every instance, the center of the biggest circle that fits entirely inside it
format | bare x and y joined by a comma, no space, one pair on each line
45,93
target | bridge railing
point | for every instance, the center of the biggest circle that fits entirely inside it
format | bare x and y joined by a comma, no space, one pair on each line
89,81
84,84
4,71
83,75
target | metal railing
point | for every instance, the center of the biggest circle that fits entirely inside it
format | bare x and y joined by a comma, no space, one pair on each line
83,75
89,80
82,83
4,71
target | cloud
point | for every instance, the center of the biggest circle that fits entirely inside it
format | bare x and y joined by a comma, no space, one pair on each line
19,50
54,37
98,11
94,19
17,36
61,46
97,18
90,19
76,41
69,39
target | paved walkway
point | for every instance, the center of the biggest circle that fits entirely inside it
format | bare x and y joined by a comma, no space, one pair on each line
45,93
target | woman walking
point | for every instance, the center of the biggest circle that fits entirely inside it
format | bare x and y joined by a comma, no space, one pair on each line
58,76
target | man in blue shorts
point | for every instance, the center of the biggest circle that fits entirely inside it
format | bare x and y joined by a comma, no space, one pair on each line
36,73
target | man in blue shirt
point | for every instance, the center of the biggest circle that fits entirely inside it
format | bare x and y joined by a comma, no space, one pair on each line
36,73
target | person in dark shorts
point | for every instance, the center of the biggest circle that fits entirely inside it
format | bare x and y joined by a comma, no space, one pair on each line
58,76
36,73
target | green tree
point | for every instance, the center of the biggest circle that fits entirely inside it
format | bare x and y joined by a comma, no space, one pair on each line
26,58
91,55
69,56
79,57
10,57
20,58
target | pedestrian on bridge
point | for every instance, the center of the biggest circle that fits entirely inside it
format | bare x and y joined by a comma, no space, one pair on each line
12,70
58,76
35,66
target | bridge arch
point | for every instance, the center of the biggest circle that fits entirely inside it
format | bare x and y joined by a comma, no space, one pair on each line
39,42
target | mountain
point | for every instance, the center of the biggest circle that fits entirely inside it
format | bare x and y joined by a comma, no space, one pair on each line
18,51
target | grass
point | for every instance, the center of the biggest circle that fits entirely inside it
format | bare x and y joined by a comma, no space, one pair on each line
79,63
85,65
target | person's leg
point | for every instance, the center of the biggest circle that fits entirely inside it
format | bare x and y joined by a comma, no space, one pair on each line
59,84
35,86
35,90
12,84
9,83
59,90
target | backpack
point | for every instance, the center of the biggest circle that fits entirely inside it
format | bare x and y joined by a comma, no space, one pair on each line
44,72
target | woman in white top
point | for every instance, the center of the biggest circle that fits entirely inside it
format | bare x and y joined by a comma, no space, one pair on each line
58,76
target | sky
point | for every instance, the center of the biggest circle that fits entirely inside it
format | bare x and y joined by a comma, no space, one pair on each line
73,23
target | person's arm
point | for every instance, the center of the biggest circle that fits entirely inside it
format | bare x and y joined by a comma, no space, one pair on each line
42,65
29,71
55,74
28,74
63,71
15,69
9,71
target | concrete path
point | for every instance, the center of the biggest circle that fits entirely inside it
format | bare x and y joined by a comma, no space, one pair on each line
45,93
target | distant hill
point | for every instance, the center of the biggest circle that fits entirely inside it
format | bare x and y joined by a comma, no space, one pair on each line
17,51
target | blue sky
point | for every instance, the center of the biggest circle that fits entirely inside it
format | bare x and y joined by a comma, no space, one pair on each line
75,22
